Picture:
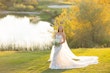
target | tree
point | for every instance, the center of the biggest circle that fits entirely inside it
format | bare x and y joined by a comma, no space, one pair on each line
86,24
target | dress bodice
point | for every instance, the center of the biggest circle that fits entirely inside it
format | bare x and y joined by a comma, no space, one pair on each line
58,37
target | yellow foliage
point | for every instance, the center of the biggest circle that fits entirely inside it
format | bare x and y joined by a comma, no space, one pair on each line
92,22
97,1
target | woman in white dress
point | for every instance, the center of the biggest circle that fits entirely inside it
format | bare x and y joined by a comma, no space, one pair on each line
61,56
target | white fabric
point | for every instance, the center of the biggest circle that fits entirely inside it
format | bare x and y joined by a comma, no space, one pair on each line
62,58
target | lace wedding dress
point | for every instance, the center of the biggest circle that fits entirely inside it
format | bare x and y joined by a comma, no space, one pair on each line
61,57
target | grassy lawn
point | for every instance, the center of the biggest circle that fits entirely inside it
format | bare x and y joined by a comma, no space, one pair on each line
36,62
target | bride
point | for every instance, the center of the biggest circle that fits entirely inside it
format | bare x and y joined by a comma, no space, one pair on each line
61,56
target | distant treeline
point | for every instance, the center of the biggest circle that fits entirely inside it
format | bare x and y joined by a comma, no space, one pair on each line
18,5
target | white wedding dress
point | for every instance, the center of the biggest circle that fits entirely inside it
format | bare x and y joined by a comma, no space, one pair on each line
62,58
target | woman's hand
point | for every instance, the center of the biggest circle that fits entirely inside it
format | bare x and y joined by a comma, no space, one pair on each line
61,42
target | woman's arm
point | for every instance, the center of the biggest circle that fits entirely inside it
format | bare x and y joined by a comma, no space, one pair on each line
64,38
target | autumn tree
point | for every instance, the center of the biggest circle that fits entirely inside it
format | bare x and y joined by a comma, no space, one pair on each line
86,24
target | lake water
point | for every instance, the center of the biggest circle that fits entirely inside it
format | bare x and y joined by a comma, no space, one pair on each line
59,6
20,33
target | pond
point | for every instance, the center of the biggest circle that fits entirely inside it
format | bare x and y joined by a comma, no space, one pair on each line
23,33
59,6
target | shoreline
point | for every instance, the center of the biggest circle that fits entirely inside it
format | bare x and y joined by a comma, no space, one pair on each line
20,12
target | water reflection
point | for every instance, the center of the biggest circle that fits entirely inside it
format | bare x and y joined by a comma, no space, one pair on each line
20,33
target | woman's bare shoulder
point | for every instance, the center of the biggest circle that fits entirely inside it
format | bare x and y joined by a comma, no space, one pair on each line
56,33
63,34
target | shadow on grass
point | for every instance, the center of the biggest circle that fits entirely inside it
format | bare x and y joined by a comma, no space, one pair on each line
54,70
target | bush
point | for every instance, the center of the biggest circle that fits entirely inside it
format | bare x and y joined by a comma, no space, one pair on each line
30,7
2,6
22,7
19,6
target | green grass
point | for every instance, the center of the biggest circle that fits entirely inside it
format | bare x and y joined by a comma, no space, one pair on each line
36,62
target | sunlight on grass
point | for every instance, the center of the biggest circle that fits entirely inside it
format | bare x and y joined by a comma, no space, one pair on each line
3,53
36,62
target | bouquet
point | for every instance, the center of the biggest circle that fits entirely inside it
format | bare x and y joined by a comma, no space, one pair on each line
56,42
